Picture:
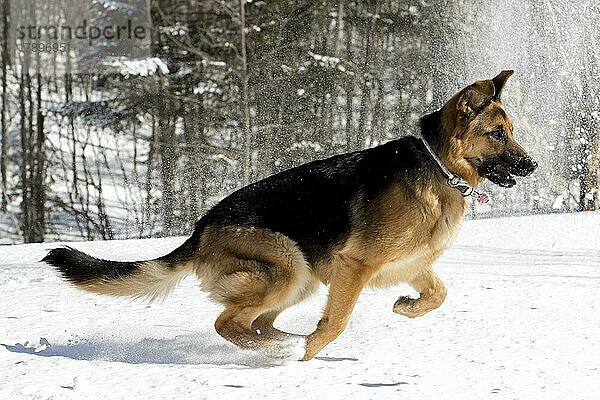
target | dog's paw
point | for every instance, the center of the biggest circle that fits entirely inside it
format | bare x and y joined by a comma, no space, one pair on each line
408,307
291,348
294,348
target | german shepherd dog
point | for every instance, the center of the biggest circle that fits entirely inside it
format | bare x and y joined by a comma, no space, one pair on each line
376,217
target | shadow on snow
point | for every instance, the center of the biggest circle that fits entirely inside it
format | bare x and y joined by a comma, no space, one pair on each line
187,349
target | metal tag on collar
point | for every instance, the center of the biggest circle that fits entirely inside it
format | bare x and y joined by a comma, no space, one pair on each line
482,198
466,190
460,185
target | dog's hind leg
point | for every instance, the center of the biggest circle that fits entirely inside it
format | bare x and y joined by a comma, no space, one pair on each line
256,274
235,325
264,324
253,304
432,294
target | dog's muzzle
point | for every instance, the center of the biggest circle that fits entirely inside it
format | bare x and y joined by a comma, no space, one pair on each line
524,166
501,170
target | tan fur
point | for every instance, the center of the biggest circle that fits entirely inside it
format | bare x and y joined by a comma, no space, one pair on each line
256,274
233,262
153,282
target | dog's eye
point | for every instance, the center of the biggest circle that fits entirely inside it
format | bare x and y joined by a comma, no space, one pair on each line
498,134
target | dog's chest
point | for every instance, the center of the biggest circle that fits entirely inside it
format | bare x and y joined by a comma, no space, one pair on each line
400,270
446,226
417,230
430,217
414,248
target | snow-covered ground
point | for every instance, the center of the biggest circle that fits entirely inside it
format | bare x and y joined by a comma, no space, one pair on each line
521,320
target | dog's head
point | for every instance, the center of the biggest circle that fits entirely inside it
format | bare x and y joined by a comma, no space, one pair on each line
481,141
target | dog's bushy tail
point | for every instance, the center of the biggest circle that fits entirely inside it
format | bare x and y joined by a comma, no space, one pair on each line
152,279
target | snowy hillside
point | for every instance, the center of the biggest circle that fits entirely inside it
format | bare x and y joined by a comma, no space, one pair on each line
521,320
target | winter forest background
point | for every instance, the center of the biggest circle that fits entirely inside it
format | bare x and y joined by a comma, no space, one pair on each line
233,91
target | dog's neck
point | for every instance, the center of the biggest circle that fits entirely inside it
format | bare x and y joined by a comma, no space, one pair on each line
434,131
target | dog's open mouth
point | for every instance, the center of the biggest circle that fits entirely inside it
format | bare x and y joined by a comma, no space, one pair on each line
498,174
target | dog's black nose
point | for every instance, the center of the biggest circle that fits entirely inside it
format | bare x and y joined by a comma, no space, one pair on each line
526,165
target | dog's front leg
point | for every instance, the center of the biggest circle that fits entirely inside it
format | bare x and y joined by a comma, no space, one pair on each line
348,280
432,291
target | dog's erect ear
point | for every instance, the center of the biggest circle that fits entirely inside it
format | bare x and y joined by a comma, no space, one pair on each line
500,80
476,97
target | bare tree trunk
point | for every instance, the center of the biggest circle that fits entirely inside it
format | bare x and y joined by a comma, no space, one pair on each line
4,111
25,156
192,158
148,209
87,184
365,88
104,224
349,94
39,172
246,101
168,168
